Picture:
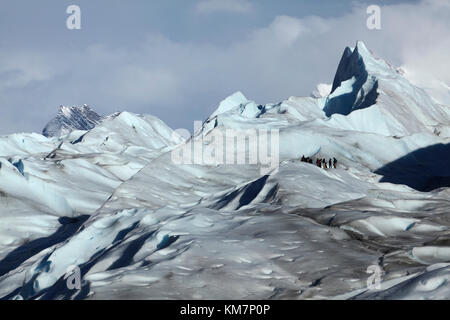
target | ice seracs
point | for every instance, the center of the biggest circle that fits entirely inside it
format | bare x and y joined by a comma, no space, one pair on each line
231,102
353,88
369,95
111,201
322,90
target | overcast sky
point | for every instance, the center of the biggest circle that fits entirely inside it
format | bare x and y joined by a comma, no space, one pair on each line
176,59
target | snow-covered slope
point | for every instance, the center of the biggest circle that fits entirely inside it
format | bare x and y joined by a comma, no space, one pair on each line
396,106
140,225
44,181
368,95
71,118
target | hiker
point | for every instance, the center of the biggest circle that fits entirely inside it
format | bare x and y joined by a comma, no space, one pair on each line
334,162
303,158
329,163
319,163
310,161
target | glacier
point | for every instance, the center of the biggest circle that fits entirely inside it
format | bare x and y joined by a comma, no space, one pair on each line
103,194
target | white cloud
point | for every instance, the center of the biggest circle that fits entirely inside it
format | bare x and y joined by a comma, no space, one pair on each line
183,81
284,29
438,3
20,69
213,6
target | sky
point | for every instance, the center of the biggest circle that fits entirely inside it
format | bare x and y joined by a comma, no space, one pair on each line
177,59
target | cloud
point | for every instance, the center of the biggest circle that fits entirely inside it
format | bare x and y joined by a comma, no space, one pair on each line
141,84
284,29
437,3
181,81
214,6
19,70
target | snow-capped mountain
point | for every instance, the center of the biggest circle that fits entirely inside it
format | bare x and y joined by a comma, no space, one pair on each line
112,201
71,118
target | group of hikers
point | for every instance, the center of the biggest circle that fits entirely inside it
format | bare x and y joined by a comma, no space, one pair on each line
321,163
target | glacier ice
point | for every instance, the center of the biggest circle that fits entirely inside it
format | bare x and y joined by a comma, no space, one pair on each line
143,227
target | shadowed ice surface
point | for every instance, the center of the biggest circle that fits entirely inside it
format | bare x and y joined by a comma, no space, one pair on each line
425,169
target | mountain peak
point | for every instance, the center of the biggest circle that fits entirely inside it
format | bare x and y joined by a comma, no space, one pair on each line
362,49
233,101
71,118
356,81
360,62
352,64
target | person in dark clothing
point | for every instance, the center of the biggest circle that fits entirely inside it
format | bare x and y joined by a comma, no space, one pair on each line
319,164
329,163
334,162
303,158
310,161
